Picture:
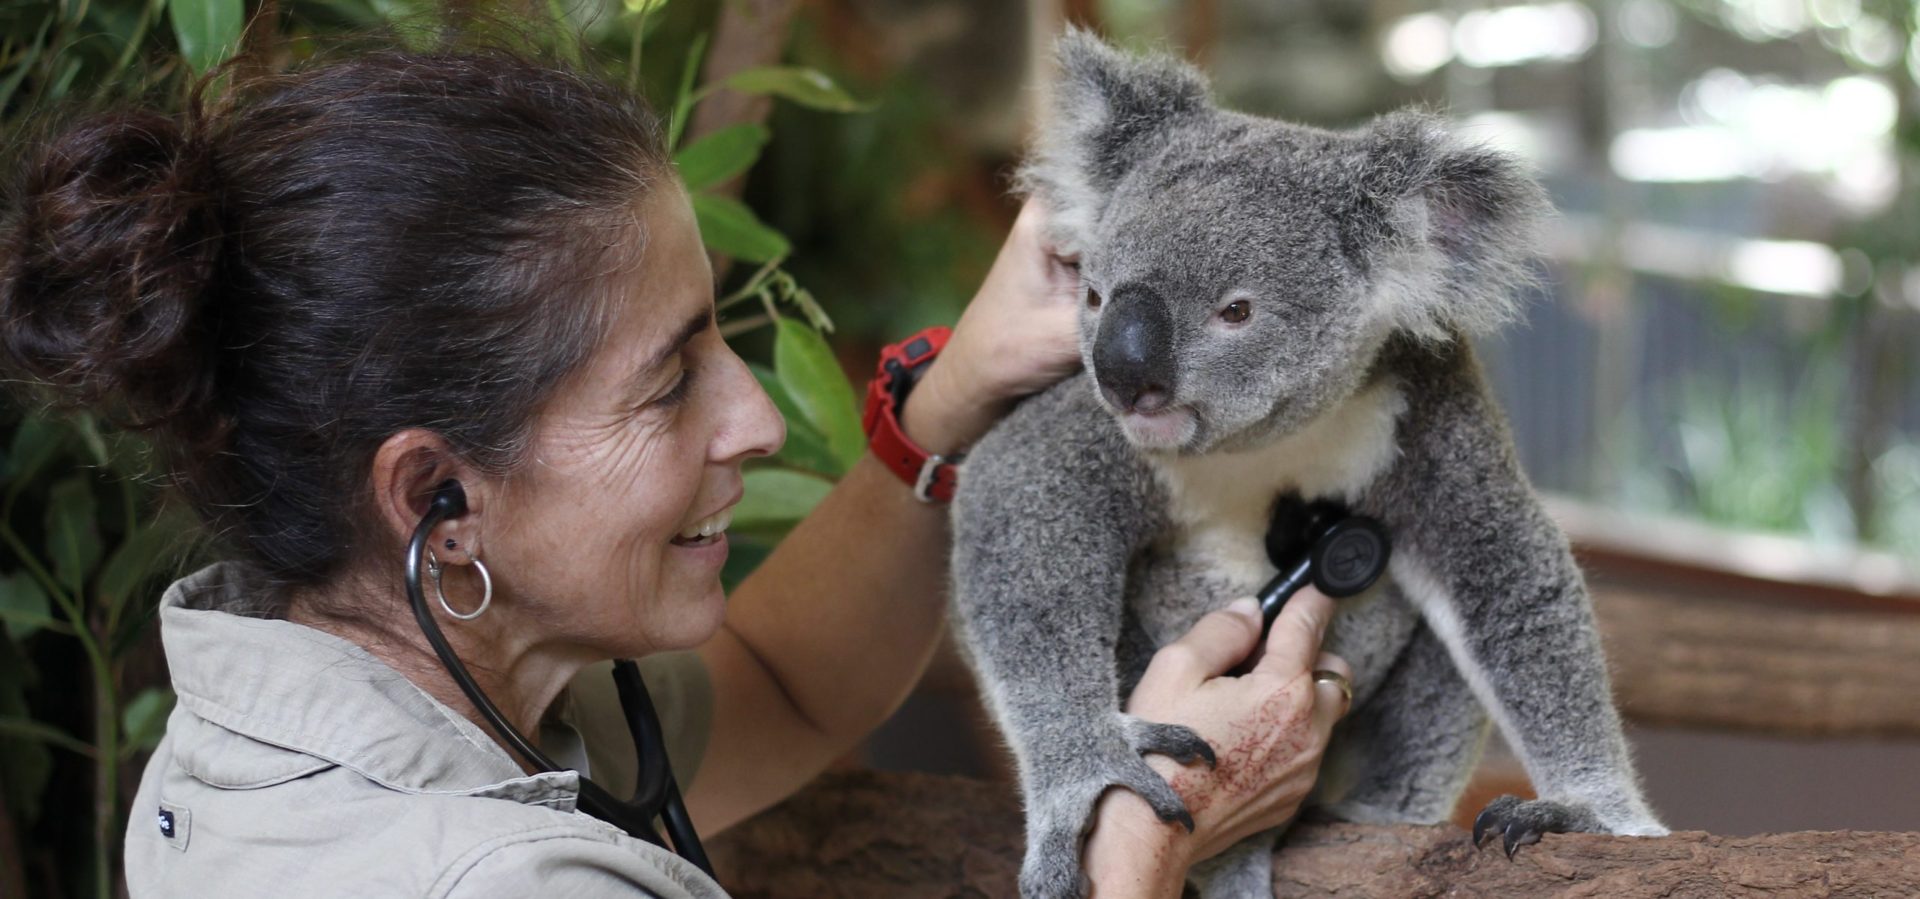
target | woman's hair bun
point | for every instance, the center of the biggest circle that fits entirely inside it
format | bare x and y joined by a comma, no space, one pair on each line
109,248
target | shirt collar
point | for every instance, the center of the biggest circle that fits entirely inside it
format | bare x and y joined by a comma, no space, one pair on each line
305,691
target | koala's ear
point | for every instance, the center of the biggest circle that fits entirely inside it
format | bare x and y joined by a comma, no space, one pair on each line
1448,230
1106,106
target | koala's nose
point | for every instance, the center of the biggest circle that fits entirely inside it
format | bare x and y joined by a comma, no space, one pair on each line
1133,352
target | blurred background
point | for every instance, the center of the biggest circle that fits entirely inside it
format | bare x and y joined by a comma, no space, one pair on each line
1715,383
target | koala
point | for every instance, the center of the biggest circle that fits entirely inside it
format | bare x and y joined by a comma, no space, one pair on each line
1276,311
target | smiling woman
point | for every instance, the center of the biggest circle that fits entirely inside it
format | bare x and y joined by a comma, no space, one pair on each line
327,295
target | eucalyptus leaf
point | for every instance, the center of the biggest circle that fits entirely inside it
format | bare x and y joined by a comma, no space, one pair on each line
24,606
137,558
807,87
806,447
728,226
720,155
144,720
73,540
206,29
35,443
777,497
684,96
819,388
90,437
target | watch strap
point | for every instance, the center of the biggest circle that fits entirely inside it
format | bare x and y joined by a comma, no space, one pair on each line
932,476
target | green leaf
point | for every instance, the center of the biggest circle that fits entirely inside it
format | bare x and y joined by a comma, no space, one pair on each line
24,606
805,447
26,63
35,443
720,155
777,497
207,29
819,388
728,226
73,542
44,733
807,87
138,557
144,720
90,437
684,97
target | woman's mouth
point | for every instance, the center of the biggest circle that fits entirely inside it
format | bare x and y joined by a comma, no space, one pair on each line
711,529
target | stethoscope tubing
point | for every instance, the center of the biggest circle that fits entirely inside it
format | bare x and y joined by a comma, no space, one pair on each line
656,793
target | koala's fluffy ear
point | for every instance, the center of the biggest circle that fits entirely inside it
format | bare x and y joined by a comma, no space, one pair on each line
1106,106
1447,229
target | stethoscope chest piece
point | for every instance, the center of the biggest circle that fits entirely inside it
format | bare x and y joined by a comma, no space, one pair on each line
1320,543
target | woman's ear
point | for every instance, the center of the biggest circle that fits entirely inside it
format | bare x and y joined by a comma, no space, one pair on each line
407,468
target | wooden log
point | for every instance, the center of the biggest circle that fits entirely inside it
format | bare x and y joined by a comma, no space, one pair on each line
879,834
1711,628
1701,661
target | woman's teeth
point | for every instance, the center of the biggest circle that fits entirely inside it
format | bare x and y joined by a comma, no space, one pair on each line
706,528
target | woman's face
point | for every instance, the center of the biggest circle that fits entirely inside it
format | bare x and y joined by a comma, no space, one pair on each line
643,448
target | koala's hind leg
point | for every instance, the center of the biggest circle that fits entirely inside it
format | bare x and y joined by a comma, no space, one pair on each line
1244,870
1409,750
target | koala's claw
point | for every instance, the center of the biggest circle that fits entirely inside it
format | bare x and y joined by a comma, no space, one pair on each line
1174,741
1521,822
1060,797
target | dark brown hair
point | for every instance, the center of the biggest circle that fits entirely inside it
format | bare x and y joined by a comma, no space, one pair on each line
275,281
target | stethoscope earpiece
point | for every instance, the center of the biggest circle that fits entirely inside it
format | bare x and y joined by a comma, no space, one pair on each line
656,795
449,500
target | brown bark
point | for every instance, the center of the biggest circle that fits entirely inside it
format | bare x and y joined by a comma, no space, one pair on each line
1723,630
878,834
1703,661
750,33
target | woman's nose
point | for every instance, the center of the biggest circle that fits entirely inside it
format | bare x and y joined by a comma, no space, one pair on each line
752,425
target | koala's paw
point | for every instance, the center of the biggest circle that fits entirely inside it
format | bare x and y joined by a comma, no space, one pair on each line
1521,822
1175,741
1062,792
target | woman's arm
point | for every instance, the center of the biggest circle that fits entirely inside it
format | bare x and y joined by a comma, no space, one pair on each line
827,637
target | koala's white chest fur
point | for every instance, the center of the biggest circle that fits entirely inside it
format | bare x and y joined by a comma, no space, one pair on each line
1220,502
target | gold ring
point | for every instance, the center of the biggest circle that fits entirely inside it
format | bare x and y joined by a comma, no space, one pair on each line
1326,676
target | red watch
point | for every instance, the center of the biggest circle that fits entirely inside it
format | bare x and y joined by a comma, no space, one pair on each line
932,476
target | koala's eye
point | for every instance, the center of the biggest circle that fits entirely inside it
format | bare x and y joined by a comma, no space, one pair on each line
1093,298
1236,312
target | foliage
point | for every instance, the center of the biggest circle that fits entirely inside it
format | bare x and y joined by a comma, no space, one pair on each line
87,540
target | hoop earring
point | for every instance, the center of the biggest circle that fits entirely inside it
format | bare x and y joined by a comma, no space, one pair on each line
486,581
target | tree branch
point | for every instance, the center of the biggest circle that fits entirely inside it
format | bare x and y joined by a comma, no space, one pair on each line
885,834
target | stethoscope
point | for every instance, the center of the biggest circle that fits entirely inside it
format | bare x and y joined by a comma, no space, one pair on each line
657,795
1320,543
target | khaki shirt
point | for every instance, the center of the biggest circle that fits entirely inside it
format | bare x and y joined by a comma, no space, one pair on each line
298,765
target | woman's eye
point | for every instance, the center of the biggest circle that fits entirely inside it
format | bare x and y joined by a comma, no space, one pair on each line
679,391
1236,312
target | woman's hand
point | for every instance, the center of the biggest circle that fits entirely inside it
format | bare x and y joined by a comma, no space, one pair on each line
1018,336
1268,729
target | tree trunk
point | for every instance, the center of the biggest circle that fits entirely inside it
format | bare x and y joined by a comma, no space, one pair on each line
880,834
749,34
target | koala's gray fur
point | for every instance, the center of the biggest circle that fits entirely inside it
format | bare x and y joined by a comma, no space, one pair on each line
1086,535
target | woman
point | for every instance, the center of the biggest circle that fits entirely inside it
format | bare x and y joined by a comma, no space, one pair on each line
331,292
